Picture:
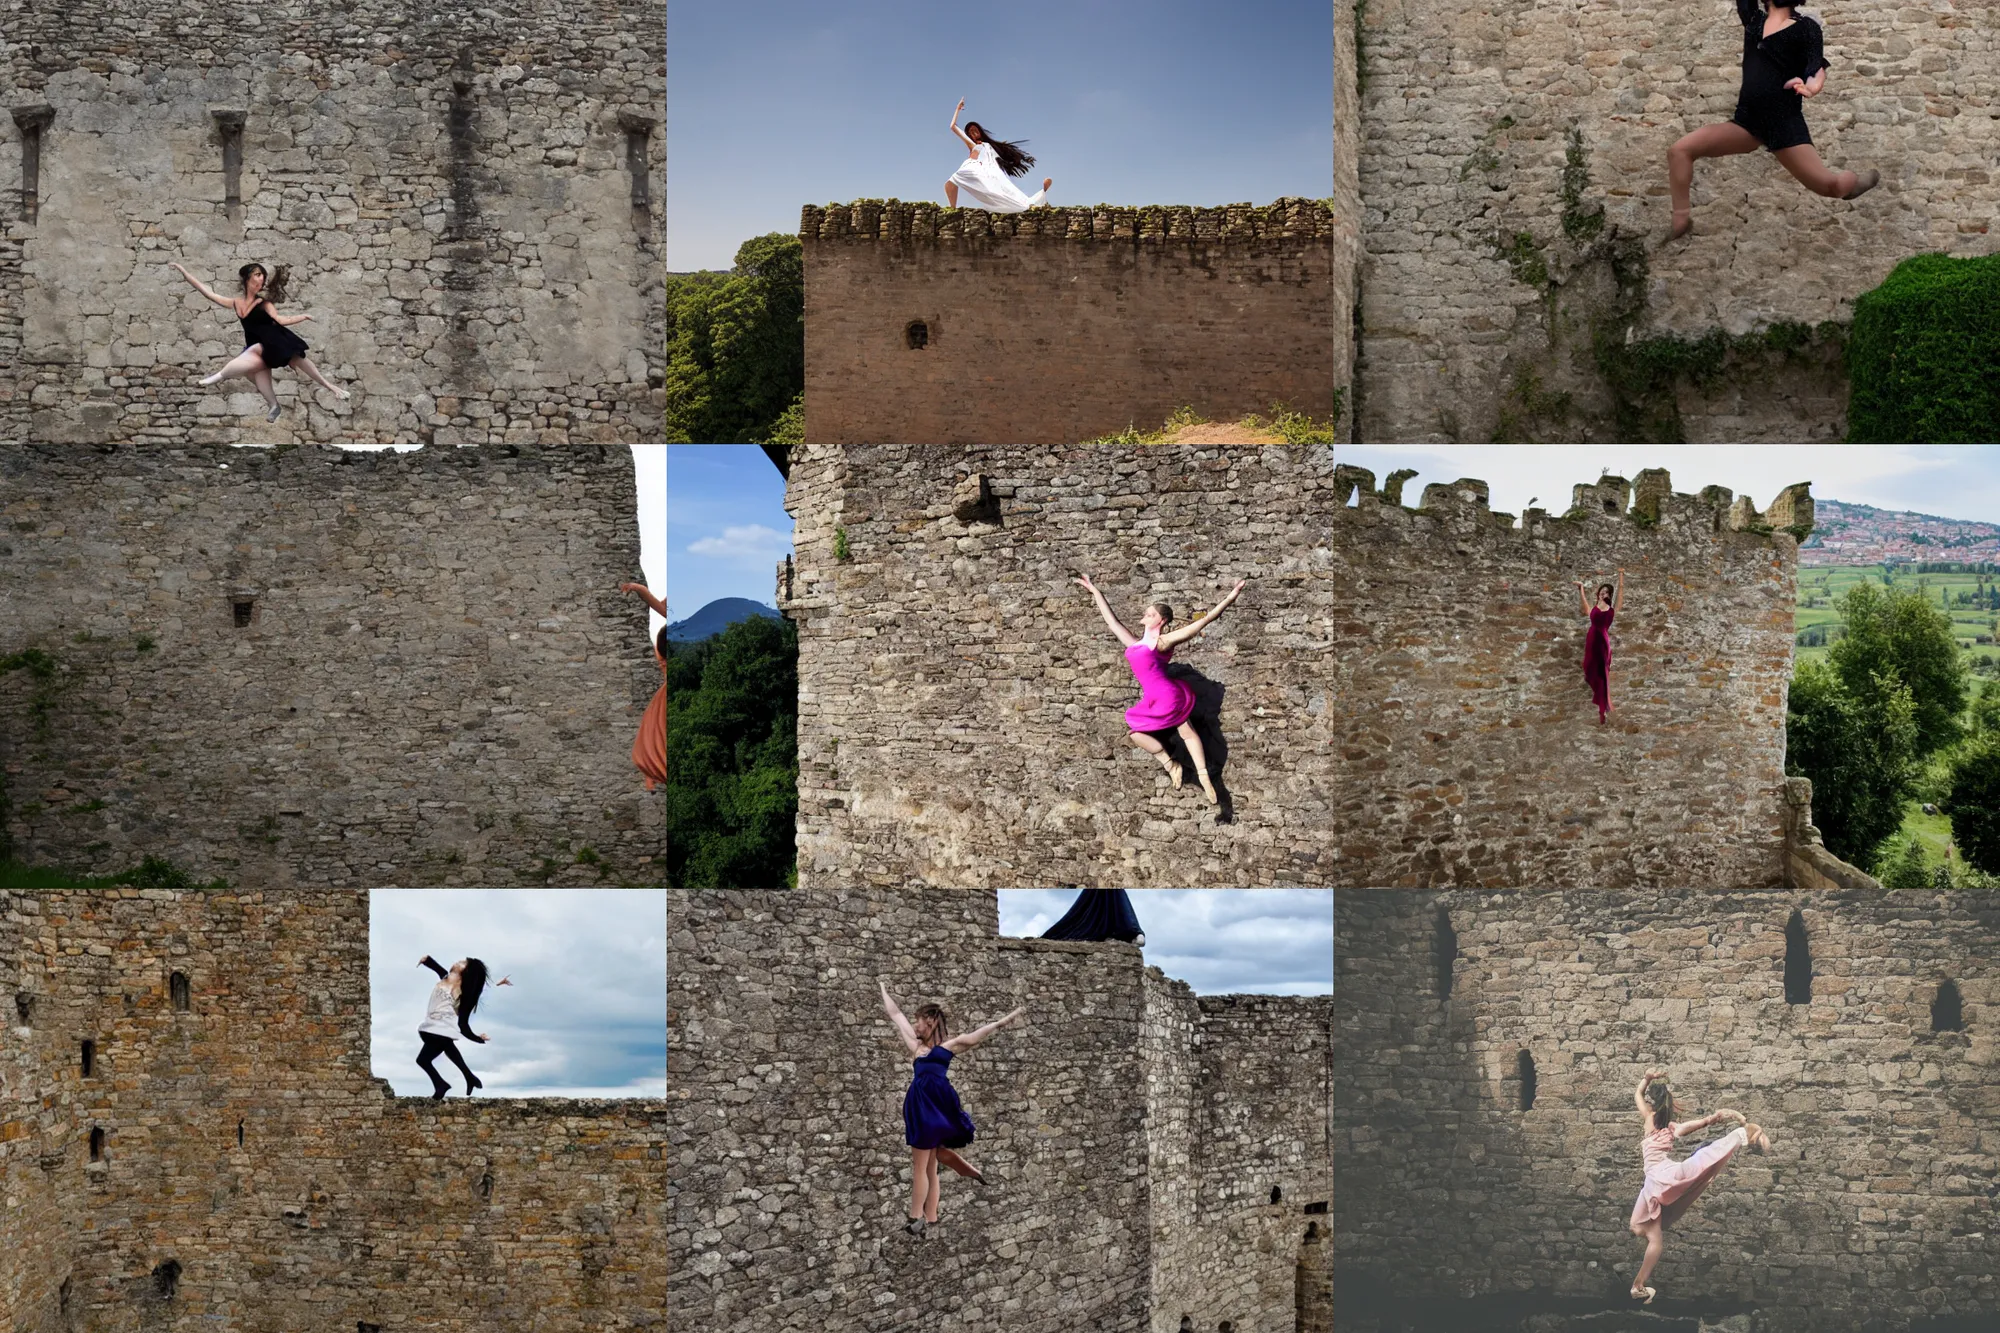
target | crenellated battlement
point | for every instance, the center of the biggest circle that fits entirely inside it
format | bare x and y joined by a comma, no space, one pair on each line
897,220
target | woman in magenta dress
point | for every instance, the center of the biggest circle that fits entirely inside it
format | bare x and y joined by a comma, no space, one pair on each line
1672,1187
1597,643
933,1121
1165,704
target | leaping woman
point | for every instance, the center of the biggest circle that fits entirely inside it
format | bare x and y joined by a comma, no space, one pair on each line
988,163
1597,641
455,996
1672,1187
1783,63
268,341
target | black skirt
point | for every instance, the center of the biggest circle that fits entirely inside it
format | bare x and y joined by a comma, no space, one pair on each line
280,344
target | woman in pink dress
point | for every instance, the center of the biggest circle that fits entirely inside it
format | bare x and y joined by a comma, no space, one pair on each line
1597,643
1671,1186
1165,704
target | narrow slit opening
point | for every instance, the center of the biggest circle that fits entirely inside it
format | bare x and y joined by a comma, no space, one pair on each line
1525,1067
1798,961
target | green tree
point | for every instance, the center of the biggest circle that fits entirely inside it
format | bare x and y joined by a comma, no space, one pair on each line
1986,710
736,344
732,757
1899,639
1973,802
1903,865
1860,755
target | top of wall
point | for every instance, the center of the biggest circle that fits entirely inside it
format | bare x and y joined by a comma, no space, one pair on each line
919,223
128,459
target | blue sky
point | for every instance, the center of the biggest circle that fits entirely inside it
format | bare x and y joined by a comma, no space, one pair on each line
726,525
777,104
1219,941
1947,480
585,1017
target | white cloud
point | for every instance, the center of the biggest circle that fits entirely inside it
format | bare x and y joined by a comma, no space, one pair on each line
1219,941
753,544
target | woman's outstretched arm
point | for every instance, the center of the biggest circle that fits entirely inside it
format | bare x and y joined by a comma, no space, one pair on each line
646,593
959,132
1685,1127
1186,632
1125,636
908,1033
1618,593
434,965
287,320
967,1040
202,287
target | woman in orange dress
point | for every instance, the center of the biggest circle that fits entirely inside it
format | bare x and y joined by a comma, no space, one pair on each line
649,752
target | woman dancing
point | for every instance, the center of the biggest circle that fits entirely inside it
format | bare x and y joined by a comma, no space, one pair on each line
1672,1187
1165,704
1597,642
1782,65
933,1121
268,341
988,163
649,752
455,996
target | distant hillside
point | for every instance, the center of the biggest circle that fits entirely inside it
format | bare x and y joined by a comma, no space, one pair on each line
1851,534
716,617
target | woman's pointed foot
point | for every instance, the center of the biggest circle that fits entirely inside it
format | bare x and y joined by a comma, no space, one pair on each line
438,1096
1643,1295
1683,224
1047,181
1176,774
1759,1140
1208,788
216,378
272,415
1864,181
471,1083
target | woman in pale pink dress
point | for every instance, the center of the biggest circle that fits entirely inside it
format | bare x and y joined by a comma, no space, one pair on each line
1165,704
1672,1187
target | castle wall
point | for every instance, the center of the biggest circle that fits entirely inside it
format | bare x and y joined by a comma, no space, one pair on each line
449,185
246,1142
1465,118
1464,745
1875,1208
439,682
1061,325
1346,210
961,705
1096,1121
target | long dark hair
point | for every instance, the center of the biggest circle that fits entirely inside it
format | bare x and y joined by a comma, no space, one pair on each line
662,644
274,288
471,985
1606,590
943,1027
1012,160
1661,1098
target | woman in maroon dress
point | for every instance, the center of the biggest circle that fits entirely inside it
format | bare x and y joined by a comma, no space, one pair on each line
1597,643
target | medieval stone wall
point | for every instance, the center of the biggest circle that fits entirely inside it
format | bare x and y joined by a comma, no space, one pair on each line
1465,746
453,188
438,681
1100,1121
1065,324
1347,219
252,1174
1466,119
1463,1200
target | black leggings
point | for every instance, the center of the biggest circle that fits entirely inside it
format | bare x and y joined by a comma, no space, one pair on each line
433,1045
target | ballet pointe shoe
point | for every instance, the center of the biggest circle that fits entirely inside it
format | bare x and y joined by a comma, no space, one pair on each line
1864,181
1208,789
1643,1295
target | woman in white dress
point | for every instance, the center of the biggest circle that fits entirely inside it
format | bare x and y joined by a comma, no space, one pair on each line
983,175
446,1018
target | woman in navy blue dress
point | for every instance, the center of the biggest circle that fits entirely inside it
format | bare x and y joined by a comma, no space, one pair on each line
1783,64
933,1122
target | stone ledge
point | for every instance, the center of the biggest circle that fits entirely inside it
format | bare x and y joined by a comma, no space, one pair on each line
1289,218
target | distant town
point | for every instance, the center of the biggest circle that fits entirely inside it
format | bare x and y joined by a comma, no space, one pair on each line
1849,534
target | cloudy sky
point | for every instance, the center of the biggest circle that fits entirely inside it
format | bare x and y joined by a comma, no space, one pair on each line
585,1017
651,462
1945,480
1219,941
789,102
726,513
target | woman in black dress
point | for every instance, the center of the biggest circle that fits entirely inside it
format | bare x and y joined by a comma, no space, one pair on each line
1783,64
268,342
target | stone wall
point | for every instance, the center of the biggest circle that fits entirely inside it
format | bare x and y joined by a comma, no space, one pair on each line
252,1166
1065,324
1465,145
1874,1210
1101,1122
1808,864
1464,745
1347,219
438,683
450,186
961,705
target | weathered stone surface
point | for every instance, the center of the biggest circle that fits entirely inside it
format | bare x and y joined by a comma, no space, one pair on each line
1876,1208
1459,146
452,187
438,682
1132,1131
1063,324
245,1141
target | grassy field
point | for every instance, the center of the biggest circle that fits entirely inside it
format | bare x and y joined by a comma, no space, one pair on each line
1819,587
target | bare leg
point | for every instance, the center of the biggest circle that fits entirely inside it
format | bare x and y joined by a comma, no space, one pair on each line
1719,140
1200,757
1159,752
951,194
1656,1241
956,1163
305,365
1803,161
921,1176
246,363
262,379
931,1203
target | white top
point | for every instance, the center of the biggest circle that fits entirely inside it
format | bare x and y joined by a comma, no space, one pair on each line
442,1018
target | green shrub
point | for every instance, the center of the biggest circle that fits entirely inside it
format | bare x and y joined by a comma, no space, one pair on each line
1922,353
1973,802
